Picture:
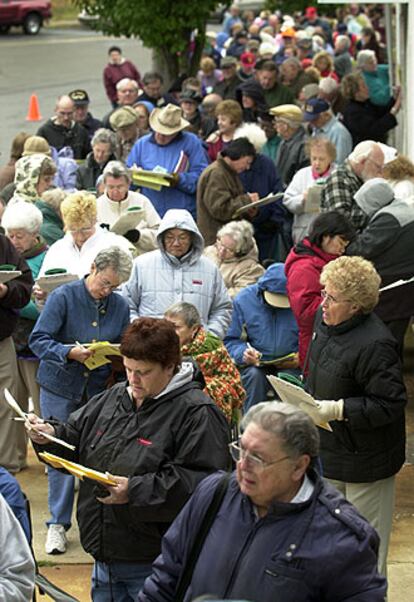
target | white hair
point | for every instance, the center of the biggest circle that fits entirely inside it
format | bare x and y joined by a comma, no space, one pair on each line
253,133
362,151
364,57
20,215
328,85
343,42
125,82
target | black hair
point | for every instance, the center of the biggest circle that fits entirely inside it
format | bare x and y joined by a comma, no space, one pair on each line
331,223
241,147
114,49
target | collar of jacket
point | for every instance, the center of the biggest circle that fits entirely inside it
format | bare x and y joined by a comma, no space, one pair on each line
345,326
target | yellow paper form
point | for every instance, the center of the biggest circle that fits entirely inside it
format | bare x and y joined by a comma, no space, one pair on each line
77,469
101,350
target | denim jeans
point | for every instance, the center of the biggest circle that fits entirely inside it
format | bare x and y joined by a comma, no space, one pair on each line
61,486
257,387
118,581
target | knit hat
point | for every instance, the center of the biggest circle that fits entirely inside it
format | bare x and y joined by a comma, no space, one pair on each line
123,117
34,145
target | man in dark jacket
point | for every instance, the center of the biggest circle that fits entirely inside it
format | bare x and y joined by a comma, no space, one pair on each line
231,81
161,435
14,295
61,130
281,532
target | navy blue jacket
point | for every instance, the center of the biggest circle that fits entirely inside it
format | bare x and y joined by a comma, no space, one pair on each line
71,315
313,551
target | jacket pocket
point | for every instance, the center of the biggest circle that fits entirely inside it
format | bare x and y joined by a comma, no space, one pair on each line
282,582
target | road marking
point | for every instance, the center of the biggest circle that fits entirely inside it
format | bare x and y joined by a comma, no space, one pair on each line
44,41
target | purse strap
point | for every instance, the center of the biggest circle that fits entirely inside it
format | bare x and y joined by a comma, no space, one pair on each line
201,535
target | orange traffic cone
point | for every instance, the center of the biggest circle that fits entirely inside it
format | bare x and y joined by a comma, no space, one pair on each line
34,111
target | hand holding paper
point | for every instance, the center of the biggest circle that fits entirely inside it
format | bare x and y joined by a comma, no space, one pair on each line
325,411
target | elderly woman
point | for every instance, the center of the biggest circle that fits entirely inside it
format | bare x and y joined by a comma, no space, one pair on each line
400,176
354,369
33,176
22,222
52,226
323,62
363,118
220,192
87,310
329,236
281,533
235,252
229,116
309,180
83,239
377,77
118,200
221,376
103,148
160,435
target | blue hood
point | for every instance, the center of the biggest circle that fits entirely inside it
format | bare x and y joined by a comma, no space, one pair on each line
274,279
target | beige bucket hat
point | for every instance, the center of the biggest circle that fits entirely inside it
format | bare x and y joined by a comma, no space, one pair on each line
168,120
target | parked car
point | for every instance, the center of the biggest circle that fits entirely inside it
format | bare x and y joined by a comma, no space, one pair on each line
29,14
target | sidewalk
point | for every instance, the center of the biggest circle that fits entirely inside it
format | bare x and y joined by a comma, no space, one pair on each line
72,570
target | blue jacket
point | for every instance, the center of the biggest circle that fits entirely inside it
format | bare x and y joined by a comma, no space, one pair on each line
320,549
10,490
71,315
147,154
272,331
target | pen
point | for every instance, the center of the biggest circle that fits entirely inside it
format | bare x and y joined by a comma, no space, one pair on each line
258,354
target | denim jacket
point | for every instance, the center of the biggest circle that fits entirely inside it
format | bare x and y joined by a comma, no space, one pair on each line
71,315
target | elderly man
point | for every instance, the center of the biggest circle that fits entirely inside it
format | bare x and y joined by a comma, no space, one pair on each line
179,272
168,149
323,122
231,81
117,69
81,114
62,130
103,148
152,84
118,201
364,163
274,92
293,75
125,123
330,91
263,329
127,95
281,533
343,58
291,155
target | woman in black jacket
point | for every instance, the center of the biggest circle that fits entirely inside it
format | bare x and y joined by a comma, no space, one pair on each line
354,368
160,435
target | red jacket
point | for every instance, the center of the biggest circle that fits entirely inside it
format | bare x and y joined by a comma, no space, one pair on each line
303,268
114,73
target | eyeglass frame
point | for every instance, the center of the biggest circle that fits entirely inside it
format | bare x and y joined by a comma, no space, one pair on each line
327,298
258,464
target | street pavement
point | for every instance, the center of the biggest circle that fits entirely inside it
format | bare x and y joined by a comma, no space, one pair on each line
50,64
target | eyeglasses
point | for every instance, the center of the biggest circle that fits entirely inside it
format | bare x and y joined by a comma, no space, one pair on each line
82,230
238,453
105,285
330,299
170,239
220,245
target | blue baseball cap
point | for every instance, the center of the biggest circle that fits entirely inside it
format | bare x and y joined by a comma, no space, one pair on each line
314,107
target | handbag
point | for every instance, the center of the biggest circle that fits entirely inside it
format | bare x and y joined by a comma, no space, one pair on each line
201,535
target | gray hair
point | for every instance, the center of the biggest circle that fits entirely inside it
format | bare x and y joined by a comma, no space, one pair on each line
186,311
21,215
293,60
104,136
54,197
362,151
343,42
125,82
116,259
328,85
242,234
364,57
116,169
294,428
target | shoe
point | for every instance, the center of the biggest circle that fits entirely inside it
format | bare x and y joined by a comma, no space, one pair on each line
56,541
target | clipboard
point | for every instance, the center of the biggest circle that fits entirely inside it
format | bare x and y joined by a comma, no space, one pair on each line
312,202
48,282
290,393
128,220
7,275
77,470
270,198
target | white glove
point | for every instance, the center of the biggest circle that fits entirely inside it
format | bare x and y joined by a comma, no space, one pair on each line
325,411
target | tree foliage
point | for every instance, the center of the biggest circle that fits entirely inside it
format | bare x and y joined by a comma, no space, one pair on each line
174,29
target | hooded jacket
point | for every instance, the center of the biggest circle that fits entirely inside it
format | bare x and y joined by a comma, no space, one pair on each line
303,269
158,279
27,175
254,90
272,331
165,448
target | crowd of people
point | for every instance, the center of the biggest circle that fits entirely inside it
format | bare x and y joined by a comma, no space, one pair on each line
150,231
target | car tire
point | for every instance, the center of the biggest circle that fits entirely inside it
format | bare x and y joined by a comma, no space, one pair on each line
32,24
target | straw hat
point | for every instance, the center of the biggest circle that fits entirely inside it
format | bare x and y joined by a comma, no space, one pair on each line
167,120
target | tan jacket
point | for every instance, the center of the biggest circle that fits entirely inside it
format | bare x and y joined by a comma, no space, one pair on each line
237,272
